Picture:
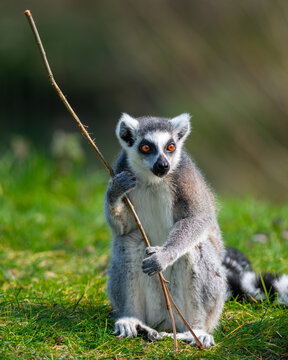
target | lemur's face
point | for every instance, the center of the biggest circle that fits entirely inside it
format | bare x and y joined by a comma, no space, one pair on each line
153,145
156,150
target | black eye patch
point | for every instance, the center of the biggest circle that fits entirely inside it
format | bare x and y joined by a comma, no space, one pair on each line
170,142
146,147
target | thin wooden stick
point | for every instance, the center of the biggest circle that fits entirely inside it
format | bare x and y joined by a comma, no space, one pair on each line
127,201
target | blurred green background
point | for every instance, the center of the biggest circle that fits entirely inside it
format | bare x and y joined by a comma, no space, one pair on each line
224,62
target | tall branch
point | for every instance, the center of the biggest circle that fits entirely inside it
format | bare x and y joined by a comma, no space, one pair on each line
127,201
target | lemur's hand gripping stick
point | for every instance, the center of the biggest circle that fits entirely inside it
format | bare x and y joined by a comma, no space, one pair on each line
85,133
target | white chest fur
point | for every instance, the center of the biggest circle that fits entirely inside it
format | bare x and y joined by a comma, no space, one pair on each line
154,206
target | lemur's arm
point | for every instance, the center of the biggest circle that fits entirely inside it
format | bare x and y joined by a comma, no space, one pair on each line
185,234
116,212
194,213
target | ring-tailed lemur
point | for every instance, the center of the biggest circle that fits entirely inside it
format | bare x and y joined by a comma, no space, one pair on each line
178,213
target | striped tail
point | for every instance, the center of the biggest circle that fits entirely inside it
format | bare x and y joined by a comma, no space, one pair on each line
244,282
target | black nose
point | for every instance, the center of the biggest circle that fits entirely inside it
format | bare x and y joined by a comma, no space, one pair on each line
161,167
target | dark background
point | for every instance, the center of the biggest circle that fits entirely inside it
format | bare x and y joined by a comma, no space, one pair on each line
224,62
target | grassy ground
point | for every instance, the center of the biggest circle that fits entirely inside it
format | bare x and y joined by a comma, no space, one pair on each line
54,251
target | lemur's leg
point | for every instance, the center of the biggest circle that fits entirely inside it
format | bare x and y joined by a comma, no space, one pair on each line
198,285
125,289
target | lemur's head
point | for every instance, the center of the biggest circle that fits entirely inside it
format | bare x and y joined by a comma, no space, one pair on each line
153,145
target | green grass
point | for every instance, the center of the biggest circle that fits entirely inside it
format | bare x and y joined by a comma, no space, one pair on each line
54,253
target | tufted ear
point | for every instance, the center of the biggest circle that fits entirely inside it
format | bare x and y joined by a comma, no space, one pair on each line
181,125
126,130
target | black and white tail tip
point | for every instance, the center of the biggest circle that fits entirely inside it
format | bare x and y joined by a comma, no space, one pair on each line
244,282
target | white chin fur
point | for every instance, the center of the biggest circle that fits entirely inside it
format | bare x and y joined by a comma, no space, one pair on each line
143,172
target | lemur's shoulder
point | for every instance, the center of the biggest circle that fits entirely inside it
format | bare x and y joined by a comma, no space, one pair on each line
192,193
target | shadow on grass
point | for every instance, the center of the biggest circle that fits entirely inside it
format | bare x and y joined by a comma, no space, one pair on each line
53,323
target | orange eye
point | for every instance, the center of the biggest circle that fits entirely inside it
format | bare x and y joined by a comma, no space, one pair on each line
145,148
171,147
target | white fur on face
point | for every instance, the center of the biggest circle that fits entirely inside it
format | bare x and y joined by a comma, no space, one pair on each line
159,139
143,166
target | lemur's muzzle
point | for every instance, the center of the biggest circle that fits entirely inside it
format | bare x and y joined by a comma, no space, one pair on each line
161,167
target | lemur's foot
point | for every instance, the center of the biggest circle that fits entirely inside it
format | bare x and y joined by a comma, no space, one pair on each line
130,327
206,339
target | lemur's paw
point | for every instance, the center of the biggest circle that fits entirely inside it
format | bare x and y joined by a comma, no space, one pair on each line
151,334
130,327
120,185
206,339
156,261
125,180
125,327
